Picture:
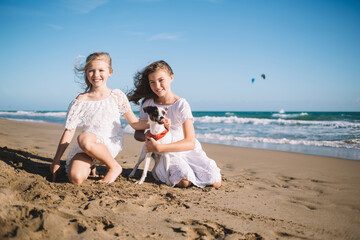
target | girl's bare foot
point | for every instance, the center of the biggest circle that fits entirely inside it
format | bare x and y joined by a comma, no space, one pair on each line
217,185
112,174
94,172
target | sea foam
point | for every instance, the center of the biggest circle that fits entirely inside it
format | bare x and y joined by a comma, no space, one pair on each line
259,121
34,113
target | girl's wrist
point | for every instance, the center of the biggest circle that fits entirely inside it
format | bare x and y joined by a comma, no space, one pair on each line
158,147
162,148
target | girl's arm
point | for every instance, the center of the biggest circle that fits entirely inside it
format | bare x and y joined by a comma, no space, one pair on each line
63,144
134,122
186,144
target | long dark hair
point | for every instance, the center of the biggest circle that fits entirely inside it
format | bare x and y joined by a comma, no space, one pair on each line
142,88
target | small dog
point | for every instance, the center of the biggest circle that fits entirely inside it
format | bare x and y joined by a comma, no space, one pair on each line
156,116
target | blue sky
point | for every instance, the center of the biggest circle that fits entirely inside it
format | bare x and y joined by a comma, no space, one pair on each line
308,49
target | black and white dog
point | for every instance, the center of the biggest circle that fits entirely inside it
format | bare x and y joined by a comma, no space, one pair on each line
156,116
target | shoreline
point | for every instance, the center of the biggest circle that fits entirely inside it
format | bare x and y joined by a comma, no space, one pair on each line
265,194
275,147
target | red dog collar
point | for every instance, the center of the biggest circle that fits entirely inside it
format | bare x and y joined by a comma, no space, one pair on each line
158,136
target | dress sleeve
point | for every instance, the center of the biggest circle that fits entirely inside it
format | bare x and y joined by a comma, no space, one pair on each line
73,116
184,111
122,101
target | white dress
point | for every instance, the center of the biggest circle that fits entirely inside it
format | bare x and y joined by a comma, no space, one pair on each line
192,165
101,118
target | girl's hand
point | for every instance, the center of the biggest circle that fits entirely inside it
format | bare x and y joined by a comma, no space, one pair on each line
167,123
151,145
54,168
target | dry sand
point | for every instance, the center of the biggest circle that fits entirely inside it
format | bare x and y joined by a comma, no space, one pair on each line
265,195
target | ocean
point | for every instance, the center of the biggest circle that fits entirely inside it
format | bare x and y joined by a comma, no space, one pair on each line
334,134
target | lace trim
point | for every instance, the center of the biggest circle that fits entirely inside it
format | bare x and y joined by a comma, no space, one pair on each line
122,101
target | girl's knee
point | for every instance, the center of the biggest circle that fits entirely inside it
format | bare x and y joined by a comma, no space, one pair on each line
76,178
85,141
79,168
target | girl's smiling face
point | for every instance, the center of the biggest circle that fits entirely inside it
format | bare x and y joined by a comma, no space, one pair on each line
98,73
160,82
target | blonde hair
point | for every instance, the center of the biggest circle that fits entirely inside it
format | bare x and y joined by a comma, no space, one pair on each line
81,69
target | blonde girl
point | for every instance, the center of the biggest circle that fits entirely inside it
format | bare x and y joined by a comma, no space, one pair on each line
98,111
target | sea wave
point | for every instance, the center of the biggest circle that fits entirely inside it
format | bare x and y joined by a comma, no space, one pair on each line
289,115
354,143
26,120
260,121
34,113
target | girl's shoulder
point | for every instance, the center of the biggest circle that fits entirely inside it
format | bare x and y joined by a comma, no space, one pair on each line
148,102
82,97
181,103
117,91
118,94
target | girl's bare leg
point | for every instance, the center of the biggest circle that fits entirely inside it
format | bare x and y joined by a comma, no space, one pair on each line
79,168
87,142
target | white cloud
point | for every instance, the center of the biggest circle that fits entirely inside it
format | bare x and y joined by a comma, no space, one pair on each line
84,6
165,36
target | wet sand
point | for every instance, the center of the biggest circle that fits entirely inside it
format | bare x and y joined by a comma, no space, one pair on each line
265,195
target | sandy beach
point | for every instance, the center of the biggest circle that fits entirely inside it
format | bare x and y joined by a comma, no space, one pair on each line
265,195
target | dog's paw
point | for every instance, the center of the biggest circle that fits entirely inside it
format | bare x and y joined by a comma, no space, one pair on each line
131,175
139,182
168,183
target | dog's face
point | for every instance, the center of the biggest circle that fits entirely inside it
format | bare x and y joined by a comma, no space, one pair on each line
156,114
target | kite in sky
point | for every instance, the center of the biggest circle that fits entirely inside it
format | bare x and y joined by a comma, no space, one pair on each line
262,75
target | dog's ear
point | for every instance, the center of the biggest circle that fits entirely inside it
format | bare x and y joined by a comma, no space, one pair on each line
148,109
145,109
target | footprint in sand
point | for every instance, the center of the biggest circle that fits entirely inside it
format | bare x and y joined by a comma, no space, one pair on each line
81,225
285,235
303,202
286,178
197,229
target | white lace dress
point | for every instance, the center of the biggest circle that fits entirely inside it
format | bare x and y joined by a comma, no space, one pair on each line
193,165
101,118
